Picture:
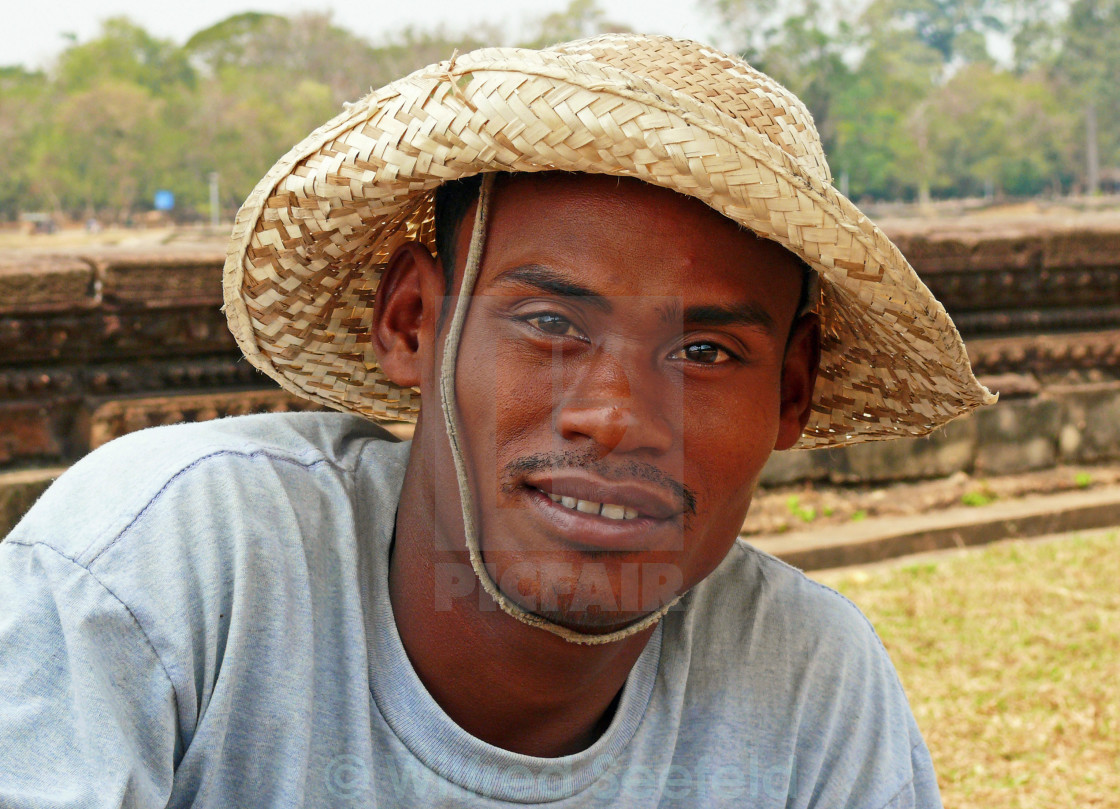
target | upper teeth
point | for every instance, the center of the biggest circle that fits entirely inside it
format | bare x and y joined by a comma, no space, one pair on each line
608,510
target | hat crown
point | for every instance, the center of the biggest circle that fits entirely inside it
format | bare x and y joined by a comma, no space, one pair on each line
713,78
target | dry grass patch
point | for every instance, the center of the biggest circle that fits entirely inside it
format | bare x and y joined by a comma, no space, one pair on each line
1011,658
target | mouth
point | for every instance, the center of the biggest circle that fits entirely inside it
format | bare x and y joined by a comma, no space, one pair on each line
612,511
621,500
595,513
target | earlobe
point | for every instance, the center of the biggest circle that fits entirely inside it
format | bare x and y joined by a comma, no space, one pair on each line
799,377
402,315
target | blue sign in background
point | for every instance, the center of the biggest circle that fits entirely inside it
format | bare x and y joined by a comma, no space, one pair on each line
165,200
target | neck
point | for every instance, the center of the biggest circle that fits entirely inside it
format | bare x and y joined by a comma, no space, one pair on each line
514,686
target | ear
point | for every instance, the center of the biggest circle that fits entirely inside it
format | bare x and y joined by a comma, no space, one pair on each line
404,313
799,376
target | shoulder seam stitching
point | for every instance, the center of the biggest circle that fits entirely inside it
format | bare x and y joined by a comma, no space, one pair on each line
191,466
128,609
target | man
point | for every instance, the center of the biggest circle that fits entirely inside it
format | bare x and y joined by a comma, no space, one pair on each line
635,283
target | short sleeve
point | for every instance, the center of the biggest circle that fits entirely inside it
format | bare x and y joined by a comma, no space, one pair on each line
87,712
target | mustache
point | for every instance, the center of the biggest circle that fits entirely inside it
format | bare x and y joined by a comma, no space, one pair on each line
626,470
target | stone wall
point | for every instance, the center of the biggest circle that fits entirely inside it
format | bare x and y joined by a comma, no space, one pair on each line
1064,424
96,345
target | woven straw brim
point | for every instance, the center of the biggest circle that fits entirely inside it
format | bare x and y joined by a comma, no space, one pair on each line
311,241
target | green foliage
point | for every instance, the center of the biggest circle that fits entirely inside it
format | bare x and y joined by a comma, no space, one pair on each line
978,497
25,98
952,28
993,127
907,99
1083,480
1088,67
910,103
803,513
125,114
117,126
124,53
883,130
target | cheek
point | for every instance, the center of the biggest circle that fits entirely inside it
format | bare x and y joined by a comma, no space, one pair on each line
504,402
734,427
727,441
523,407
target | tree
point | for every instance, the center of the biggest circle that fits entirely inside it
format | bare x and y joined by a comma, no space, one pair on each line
278,51
955,29
235,41
124,52
993,129
1089,69
882,125
25,98
1034,27
97,153
581,18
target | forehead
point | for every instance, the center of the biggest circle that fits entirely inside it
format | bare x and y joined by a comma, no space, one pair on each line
626,237
574,203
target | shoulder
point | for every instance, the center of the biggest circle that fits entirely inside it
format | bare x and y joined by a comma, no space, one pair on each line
188,469
810,676
755,598
807,650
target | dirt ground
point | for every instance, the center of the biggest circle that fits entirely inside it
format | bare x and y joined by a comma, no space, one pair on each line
805,507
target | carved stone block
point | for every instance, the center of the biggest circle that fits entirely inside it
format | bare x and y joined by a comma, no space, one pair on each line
28,431
31,283
100,421
161,279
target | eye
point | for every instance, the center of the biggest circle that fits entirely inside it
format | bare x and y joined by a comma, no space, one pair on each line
703,352
553,324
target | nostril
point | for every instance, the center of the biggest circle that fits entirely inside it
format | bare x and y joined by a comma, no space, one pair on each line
604,421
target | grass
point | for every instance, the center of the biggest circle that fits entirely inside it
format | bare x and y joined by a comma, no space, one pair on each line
978,497
803,513
1011,658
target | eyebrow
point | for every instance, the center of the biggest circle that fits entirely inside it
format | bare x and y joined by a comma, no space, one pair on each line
547,280
741,314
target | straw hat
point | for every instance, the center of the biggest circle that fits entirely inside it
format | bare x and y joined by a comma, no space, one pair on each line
310,243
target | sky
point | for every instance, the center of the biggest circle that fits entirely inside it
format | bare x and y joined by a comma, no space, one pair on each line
34,32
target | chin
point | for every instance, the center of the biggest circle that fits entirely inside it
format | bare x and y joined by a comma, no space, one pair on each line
591,623
594,593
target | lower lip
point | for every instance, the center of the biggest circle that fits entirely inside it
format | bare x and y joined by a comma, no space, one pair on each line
595,532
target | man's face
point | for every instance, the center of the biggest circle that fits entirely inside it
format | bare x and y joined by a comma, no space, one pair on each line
619,386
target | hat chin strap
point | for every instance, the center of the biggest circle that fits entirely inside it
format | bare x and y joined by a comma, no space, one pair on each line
451,420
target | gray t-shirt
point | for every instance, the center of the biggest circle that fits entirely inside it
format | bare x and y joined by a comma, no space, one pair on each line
198,616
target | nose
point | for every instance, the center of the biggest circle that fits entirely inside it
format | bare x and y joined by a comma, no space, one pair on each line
617,406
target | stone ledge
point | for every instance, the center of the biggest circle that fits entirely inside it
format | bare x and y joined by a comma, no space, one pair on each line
32,284
100,421
1070,248
876,540
155,280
